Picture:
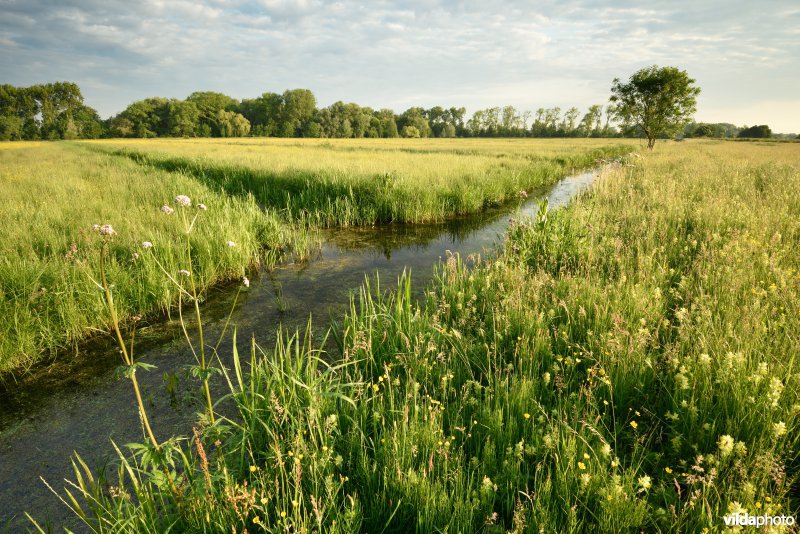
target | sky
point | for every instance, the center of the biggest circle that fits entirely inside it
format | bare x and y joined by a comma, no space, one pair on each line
744,55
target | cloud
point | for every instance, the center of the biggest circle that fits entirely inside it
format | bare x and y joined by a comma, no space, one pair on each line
386,54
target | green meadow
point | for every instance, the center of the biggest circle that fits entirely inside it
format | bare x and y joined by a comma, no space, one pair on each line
624,364
263,198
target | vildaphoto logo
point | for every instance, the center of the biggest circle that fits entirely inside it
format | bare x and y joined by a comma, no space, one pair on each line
745,520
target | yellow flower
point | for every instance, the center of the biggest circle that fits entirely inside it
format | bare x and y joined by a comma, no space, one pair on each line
375,387
283,514
668,470
526,415
634,424
586,456
581,466
256,520
253,468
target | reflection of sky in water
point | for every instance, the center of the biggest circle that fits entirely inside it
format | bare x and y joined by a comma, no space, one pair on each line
80,406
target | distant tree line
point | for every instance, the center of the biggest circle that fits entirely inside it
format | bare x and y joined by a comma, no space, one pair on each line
57,111
48,111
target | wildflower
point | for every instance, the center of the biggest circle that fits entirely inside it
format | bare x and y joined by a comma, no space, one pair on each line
283,514
184,272
106,229
166,210
645,482
253,468
295,503
725,445
147,244
526,415
740,448
183,200
230,243
202,206
634,425
586,478
375,387
736,508
667,470
135,256
95,228
586,456
614,463
523,194
581,466
246,282
779,429
256,520
705,359
606,449
546,378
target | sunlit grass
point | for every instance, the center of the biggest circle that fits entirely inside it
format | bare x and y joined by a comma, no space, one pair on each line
53,194
626,364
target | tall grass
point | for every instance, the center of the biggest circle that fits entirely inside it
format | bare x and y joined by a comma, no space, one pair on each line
263,196
626,364
368,182
53,194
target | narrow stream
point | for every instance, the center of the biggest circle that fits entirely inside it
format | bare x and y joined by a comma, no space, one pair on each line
79,405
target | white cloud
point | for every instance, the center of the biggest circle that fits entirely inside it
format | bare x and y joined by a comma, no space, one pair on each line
387,54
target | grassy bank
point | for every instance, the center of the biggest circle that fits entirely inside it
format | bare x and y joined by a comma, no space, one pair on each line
260,194
625,364
53,194
352,182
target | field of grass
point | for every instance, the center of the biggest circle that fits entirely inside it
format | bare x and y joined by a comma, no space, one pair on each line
55,192
626,364
341,182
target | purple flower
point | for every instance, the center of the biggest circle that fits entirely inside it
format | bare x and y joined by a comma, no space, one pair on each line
183,200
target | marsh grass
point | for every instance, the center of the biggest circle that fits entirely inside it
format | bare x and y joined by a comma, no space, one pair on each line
266,196
625,364
367,182
54,193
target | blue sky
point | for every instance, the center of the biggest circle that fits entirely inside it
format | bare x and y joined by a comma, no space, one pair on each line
743,54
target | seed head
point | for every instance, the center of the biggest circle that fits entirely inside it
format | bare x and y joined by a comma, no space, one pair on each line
183,200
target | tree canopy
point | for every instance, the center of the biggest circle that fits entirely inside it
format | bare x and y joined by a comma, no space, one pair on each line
659,101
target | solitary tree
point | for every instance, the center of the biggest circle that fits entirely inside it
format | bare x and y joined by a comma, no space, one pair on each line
659,101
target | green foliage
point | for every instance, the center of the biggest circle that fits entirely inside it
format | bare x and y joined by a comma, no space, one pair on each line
49,111
659,101
759,132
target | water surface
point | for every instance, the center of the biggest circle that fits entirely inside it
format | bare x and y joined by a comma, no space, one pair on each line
77,404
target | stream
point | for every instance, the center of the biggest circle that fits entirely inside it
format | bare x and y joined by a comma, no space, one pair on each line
77,404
